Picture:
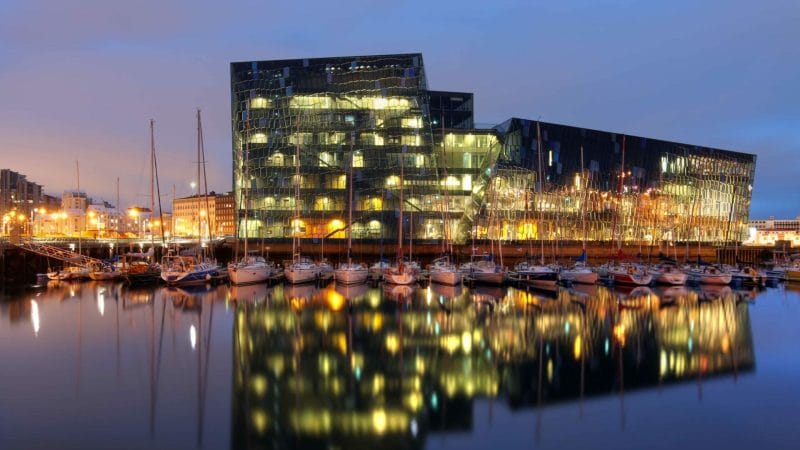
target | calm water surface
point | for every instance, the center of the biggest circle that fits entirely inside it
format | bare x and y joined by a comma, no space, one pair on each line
98,365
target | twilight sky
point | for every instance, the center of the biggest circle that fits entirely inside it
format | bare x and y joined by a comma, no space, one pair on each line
80,79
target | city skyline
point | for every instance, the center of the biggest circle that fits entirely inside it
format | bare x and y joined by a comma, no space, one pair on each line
80,82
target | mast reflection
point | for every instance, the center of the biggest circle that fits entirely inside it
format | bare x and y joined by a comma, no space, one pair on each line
355,367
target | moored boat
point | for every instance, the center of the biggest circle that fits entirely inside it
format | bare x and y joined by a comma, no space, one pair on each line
712,275
747,276
186,270
669,274
301,270
536,275
351,273
70,273
444,272
579,274
251,269
106,273
630,275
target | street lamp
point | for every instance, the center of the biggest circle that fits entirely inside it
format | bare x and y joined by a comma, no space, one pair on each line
134,213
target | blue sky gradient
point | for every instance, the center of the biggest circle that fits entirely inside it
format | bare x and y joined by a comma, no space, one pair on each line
79,80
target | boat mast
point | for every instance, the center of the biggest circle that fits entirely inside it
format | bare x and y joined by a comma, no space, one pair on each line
78,180
447,242
152,183
583,204
201,153
295,256
620,186
541,186
154,176
350,203
117,208
199,216
400,219
245,186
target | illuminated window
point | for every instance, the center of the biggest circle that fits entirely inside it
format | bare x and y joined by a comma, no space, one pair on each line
276,159
411,122
413,140
372,139
326,159
259,103
358,159
258,138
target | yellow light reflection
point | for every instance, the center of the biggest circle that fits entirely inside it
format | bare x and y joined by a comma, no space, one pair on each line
334,300
379,421
577,347
392,343
260,420
466,341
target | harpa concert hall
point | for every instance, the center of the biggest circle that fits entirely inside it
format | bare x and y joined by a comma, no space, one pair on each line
519,180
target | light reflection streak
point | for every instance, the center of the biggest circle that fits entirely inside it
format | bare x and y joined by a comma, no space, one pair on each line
35,317
193,336
101,303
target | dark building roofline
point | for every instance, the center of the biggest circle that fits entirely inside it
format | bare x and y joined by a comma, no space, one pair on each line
441,92
504,126
331,59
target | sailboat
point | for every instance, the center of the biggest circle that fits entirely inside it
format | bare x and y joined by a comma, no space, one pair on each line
402,273
249,269
140,268
301,269
191,269
580,273
73,272
443,271
538,274
349,272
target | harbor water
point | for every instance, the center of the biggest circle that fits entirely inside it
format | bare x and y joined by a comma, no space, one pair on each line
105,365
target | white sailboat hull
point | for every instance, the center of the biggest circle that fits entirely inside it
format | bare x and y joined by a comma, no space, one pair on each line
70,273
296,275
403,278
448,277
249,273
487,277
351,275
672,278
581,276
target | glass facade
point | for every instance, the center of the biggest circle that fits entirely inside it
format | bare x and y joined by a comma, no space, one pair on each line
459,182
629,188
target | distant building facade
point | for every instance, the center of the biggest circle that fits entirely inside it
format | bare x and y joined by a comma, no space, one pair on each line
203,215
17,193
520,180
772,231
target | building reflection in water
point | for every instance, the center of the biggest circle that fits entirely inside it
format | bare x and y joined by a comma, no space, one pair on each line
357,366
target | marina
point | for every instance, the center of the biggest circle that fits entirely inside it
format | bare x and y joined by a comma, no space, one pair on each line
398,225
